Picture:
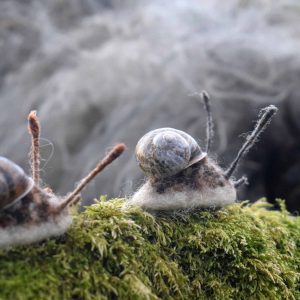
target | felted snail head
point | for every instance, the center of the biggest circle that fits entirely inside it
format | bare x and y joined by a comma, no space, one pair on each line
166,152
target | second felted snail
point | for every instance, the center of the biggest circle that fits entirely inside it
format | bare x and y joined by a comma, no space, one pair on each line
30,213
180,175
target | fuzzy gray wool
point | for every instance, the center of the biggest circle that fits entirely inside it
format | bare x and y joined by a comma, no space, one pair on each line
102,72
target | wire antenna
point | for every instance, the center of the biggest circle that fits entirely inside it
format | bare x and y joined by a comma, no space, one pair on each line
265,117
34,130
108,159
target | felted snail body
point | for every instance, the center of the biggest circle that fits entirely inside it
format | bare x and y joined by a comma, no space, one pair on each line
29,213
181,176
165,152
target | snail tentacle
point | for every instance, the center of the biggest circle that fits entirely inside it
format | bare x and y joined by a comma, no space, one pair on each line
73,198
209,121
34,130
264,119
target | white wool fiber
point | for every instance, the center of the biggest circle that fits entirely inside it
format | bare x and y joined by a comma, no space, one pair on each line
147,198
16,235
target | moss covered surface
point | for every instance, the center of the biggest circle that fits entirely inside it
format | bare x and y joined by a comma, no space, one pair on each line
240,252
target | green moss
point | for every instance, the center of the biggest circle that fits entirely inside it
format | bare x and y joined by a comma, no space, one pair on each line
240,252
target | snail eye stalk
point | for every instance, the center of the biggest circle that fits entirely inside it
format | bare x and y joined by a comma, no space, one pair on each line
34,130
264,119
209,122
108,159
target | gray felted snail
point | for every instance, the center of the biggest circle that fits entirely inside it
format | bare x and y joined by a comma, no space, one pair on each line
180,175
29,213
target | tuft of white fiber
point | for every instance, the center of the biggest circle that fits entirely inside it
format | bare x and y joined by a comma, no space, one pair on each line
147,198
16,235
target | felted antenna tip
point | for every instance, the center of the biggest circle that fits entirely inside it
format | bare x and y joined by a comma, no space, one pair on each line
116,151
267,113
271,108
32,117
205,96
33,124
113,154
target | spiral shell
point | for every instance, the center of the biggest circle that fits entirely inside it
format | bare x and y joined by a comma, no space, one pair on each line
165,152
14,183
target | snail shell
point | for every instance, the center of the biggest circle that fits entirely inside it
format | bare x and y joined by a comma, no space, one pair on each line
14,183
165,152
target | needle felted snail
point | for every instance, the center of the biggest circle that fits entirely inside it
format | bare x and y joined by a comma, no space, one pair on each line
29,213
180,175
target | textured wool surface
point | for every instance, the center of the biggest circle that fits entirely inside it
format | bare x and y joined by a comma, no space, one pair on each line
15,235
239,252
147,198
106,71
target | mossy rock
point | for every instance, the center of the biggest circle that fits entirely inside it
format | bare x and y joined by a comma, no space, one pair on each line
239,252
